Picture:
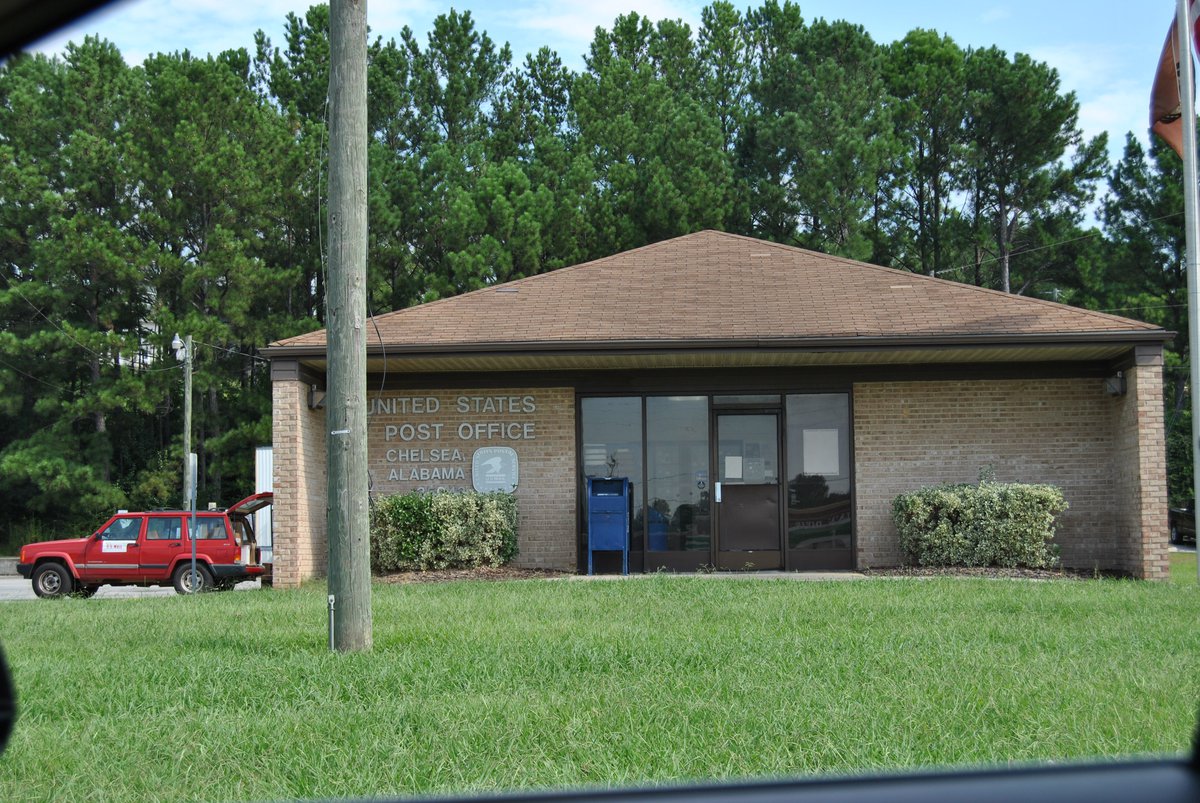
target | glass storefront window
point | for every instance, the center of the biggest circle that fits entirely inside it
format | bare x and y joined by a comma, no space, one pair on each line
612,447
677,485
672,472
764,399
818,455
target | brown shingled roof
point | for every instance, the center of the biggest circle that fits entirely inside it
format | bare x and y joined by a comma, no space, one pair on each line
716,288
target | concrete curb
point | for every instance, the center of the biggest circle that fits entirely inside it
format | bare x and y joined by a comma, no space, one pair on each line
763,575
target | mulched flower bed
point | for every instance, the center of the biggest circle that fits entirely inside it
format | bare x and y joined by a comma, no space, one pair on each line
993,572
511,573
481,573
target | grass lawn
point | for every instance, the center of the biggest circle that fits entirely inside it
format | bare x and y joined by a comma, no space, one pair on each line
1183,567
491,686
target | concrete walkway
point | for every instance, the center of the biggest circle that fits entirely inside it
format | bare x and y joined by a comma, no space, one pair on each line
765,575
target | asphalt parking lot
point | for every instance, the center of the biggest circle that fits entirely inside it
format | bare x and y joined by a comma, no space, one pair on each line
14,589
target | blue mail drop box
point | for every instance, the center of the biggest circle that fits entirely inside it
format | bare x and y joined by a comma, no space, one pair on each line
608,517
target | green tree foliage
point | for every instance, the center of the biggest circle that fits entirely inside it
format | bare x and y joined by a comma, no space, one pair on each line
73,298
1020,128
1144,276
210,193
924,72
822,130
657,151
462,203
295,80
186,194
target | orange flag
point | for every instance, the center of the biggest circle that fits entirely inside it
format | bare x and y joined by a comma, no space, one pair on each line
1165,114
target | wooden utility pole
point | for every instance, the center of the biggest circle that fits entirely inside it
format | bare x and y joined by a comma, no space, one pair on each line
346,311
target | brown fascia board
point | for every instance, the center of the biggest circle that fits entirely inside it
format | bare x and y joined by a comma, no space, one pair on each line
817,344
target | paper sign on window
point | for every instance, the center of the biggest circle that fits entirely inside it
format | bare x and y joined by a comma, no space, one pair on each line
733,467
821,452
756,470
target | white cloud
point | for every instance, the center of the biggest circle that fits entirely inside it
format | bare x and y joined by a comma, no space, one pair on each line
141,27
388,19
1081,68
1123,108
996,14
1109,100
577,23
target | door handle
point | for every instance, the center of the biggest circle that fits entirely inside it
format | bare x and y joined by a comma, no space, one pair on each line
717,490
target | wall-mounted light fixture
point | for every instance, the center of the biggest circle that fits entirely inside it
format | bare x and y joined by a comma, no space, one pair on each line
316,398
1115,385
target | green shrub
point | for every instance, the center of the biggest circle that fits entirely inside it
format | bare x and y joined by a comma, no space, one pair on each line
401,527
989,524
418,531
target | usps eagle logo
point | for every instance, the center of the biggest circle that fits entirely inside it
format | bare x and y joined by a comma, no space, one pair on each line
494,468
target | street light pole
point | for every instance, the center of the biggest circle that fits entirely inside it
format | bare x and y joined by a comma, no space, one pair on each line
183,351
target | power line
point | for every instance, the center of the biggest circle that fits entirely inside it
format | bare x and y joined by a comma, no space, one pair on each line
1129,309
1089,235
34,378
229,351
13,286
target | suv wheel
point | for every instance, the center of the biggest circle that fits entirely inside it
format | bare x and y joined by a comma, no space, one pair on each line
183,579
52,580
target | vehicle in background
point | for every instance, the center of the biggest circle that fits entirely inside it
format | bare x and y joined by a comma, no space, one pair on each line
153,548
1182,521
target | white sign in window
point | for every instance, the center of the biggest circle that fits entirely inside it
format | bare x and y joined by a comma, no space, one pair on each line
821,452
733,467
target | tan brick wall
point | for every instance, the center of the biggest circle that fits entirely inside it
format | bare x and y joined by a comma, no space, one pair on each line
425,440
298,510
1067,432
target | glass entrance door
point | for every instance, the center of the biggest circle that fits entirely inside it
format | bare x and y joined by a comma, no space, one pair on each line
749,492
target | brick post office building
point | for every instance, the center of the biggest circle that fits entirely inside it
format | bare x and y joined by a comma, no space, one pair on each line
765,403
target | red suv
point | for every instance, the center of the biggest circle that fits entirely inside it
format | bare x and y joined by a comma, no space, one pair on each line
150,549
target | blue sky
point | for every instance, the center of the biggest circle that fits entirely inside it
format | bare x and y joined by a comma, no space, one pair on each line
1105,51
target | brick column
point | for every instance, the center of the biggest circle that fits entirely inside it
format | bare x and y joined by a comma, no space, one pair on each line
298,511
1139,468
